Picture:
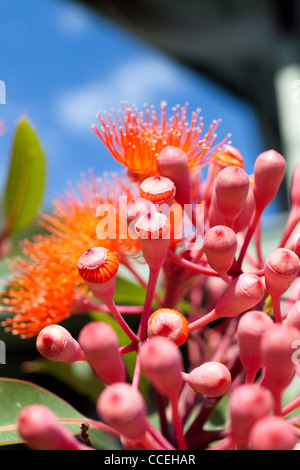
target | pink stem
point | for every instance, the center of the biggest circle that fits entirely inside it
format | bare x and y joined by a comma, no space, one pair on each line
118,317
225,444
153,277
253,223
295,403
209,317
293,219
142,282
181,442
277,309
258,244
190,265
277,402
159,437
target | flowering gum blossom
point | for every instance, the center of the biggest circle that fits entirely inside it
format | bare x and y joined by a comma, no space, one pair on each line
158,190
169,323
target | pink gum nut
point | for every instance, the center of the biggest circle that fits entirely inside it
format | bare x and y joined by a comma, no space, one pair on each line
41,430
162,363
211,379
248,404
153,230
160,191
172,163
54,342
251,328
242,294
100,344
231,187
269,170
276,353
272,433
293,316
122,407
220,244
281,268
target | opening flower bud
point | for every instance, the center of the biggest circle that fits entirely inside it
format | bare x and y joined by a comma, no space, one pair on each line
162,363
211,379
281,268
100,344
158,189
55,343
98,268
122,407
169,323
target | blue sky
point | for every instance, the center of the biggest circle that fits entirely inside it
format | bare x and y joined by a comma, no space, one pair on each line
62,64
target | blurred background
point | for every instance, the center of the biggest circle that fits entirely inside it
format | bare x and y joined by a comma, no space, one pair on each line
62,61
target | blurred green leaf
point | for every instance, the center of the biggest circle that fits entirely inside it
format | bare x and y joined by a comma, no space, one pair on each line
26,179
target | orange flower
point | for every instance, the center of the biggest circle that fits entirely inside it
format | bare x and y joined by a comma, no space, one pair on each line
135,139
45,282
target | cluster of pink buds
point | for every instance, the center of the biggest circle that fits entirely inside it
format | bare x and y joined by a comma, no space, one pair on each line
224,331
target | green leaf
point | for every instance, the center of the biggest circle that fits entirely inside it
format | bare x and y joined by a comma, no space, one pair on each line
17,394
26,179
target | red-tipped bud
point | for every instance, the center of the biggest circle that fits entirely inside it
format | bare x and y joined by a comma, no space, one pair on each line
269,170
231,187
41,430
169,323
295,187
293,316
276,352
281,268
123,408
158,190
251,328
220,244
98,268
162,363
272,433
100,344
153,230
211,379
172,163
248,403
54,342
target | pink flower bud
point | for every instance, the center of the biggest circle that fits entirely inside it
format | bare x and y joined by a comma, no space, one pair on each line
269,170
248,403
242,221
158,189
220,244
123,408
100,344
251,328
281,268
169,323
272,433
162,363
211,379
41,430
54,342
293,315
172,163
276,352
242,294
153,230
231,187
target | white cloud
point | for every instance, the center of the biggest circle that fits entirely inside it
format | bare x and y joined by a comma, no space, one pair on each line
137,82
